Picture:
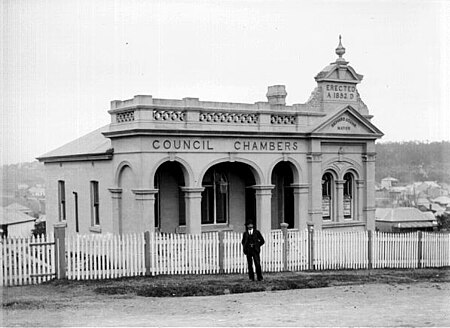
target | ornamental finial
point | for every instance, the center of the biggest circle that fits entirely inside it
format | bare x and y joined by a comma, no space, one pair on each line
340,50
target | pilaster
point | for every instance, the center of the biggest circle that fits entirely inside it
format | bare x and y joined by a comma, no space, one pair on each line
263,196
116,197
145,204
315,174
301,194
339,200
193,201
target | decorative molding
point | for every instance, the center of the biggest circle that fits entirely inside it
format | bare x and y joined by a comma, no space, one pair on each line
314,157
169,115
123,117
283,119
218,117
369,157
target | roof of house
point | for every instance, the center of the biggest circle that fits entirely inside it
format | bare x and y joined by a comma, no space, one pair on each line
8,216
403,214
17,207
92,143
389,179
442,200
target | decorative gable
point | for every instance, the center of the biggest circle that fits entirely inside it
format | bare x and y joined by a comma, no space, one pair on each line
347,121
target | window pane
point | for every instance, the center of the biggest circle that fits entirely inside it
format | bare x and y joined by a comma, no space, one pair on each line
208,205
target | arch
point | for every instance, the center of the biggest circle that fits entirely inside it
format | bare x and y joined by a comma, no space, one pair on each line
257,172
328,195
296,169
341,165
283,203
352,170
122,165
188,173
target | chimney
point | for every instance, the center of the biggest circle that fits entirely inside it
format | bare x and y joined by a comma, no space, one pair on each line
276,94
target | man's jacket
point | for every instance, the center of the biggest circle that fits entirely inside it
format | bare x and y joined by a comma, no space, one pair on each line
253,242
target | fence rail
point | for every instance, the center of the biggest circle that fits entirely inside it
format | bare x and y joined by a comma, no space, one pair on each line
33,260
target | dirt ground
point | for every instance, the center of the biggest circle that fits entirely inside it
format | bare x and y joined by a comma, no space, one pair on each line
388,298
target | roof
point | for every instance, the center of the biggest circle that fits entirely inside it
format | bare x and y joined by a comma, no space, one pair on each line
403,214
92,143
17,207
442,200
423,224
13,217
389,179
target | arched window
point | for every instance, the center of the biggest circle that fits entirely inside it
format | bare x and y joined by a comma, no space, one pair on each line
327,196
349,190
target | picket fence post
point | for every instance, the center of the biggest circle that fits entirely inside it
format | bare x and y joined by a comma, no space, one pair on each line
311,247
284,227
419,250
221,251
147,255
370,249
60,249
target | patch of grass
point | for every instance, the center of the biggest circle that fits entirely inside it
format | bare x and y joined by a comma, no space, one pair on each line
23,305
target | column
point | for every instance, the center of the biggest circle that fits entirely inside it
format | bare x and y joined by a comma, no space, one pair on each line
263,196
301,217
116,196
145,201
339,207
315,193
369,209
193,201
360,199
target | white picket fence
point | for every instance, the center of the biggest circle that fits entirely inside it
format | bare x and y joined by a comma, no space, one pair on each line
105,256
340,250
184,254
32,260
435,250
26,261
395,250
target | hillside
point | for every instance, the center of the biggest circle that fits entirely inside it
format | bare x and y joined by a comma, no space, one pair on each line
413,161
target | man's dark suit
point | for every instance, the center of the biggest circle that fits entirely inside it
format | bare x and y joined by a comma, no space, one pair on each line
252,244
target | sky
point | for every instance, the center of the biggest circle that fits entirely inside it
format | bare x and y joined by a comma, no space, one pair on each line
62,61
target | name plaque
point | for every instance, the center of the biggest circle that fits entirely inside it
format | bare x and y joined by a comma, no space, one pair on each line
228,145
335,91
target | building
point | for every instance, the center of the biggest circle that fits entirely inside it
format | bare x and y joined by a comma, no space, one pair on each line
19,208
404,219
190,166
15,223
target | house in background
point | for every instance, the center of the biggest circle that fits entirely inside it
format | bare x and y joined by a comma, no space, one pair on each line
404,219
15,223
388,182
20,208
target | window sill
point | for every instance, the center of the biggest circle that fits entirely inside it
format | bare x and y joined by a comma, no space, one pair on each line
60,224
347,223
208,228
96,229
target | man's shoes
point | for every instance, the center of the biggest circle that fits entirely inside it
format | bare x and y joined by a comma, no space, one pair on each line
260,279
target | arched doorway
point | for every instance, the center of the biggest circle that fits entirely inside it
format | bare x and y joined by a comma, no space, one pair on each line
169,201
228,198
282,195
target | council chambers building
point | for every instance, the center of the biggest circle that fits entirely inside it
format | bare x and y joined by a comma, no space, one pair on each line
191,166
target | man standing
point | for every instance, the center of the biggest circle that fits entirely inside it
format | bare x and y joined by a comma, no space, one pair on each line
252,240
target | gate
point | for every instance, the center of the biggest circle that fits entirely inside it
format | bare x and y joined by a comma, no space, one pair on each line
25,261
